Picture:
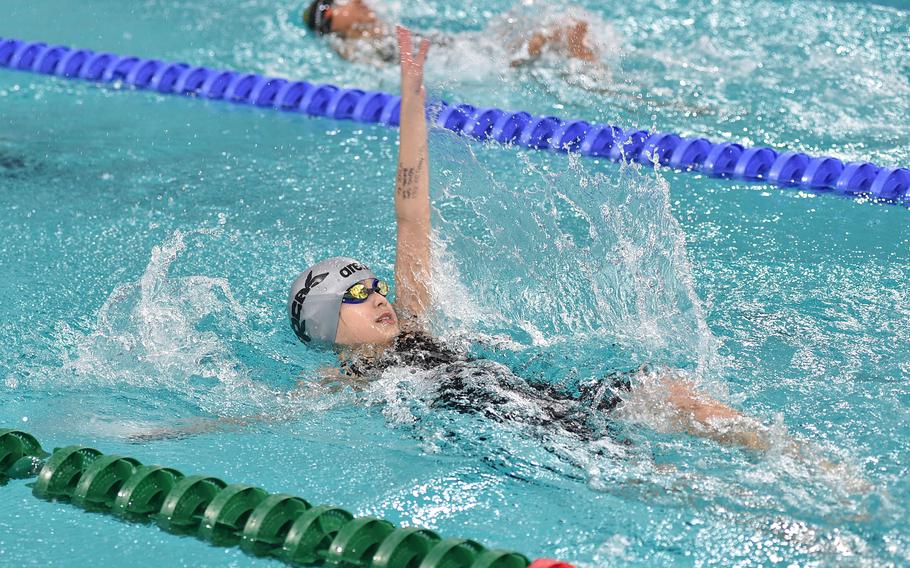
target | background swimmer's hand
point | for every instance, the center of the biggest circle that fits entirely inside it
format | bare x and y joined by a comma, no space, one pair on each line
570,41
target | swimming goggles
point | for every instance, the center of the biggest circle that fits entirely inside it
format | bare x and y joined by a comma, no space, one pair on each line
322,16
358,293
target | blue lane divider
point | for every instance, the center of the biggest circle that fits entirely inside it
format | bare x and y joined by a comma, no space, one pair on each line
721,159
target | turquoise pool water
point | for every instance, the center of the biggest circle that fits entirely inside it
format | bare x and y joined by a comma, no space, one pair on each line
147,243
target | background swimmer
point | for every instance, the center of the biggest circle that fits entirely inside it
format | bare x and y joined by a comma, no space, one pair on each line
358,34
561,41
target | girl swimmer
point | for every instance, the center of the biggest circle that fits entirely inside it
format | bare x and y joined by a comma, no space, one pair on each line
339,302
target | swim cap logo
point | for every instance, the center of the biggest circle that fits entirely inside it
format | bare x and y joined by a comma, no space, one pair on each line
351,269
297,305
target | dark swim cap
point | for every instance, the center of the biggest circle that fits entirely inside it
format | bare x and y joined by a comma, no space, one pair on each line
315,16
315,299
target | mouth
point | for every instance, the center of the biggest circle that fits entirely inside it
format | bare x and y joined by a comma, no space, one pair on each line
387,318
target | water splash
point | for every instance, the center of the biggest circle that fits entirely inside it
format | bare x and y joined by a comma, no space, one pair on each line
493,416
569,254
169,333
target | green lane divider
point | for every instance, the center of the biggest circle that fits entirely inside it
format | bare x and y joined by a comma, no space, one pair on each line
60,475
20,455
226,515
453,552
312,533
142,495
405,547
99,483
267,528
185,504
280,525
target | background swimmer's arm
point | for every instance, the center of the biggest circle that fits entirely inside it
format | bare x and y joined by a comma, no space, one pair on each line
412,184
532,50
569,40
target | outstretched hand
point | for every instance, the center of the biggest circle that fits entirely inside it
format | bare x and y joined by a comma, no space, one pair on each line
411,64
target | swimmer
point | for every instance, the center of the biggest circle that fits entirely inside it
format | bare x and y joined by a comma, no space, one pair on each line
358,34
341,304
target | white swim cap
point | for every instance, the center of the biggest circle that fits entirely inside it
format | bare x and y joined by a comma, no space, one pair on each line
315,299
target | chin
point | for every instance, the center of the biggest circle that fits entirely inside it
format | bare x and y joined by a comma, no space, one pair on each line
389,333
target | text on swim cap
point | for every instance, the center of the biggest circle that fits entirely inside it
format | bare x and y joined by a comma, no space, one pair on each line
351,269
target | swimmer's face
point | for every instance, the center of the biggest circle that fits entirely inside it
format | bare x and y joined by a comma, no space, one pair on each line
372,321
354,19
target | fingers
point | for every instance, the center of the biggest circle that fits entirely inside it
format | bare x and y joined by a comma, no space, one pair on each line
424,48
405,46
404,42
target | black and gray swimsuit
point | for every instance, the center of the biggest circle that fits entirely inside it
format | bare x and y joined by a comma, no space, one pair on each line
477,386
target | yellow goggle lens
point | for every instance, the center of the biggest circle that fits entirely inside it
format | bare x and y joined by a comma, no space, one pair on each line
361,292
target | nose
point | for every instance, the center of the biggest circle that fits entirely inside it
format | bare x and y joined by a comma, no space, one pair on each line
379,300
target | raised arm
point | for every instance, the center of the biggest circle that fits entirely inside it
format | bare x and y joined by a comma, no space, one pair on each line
412,185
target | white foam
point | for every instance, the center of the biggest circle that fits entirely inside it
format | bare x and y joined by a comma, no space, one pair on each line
568,253
167,332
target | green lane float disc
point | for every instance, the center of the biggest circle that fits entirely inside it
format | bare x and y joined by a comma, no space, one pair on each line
25,467
311,535
100,482
452,553
270,522
500,559
404,548
143,493
14,445
357,541
224,518
186,502
59,476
